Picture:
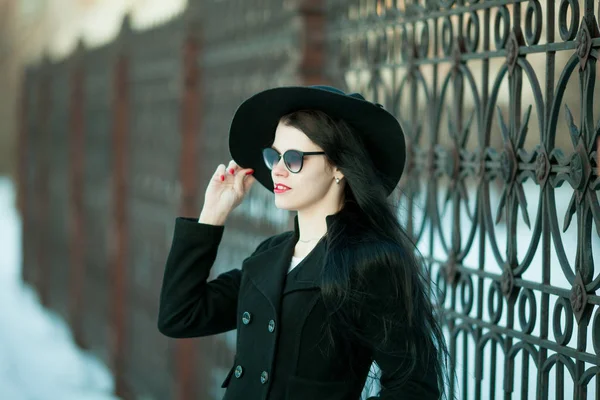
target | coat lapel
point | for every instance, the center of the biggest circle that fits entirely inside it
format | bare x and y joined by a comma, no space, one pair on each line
307,274
269,270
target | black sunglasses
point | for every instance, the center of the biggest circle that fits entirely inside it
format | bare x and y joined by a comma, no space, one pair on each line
293,159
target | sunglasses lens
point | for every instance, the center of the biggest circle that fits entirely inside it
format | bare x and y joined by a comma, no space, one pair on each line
293,160
271,157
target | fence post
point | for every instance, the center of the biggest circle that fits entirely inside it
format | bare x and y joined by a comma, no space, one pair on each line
23,147
76,223
119,227
44,109
312,64
191,114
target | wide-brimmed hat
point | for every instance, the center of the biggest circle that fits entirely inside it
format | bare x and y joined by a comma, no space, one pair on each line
255,121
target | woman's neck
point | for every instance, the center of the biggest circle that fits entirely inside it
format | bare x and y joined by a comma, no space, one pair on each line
312,224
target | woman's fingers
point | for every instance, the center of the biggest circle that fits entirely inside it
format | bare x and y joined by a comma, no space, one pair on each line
240,178
220,173
248,181
232,168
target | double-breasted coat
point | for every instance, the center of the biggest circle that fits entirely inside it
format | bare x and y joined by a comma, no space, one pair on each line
281,349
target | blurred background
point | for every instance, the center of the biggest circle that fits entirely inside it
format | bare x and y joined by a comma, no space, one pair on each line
115,113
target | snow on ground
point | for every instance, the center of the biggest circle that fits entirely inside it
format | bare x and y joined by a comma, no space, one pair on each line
38,358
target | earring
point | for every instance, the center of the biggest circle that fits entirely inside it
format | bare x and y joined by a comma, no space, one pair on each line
337,180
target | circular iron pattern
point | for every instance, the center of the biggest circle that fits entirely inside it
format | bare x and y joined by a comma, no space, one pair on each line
508,281
479,164
472,32
404,43
379,48
502,19
457,52
542,167
576,171
495,293
512,51
568,33
446,3
561,336
533,22
527,298
363,50
451,323
466,294
370,48
585,45
423,49
441,284
430,161
447,36
452,274
507,168
390,51
577,297
452,163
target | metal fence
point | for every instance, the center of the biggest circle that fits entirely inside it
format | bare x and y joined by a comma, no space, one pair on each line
500,189
483,90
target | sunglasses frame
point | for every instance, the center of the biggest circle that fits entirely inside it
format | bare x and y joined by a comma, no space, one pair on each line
302,154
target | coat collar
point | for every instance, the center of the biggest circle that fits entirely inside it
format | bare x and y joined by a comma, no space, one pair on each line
268,269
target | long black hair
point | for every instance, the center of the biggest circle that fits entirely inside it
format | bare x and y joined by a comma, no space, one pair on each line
373,272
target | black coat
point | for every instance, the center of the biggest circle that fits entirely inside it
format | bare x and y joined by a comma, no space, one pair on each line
281,352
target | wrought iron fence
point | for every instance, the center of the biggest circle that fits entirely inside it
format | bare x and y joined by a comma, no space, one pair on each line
483,90
500,189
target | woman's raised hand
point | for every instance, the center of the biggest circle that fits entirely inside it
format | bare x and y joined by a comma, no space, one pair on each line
227,188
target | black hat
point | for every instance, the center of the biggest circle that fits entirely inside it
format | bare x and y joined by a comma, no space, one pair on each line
255,121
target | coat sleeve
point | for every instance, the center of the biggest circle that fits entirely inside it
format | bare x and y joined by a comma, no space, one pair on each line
189,305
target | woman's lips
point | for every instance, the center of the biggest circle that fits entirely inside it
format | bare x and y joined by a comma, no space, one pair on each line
281,188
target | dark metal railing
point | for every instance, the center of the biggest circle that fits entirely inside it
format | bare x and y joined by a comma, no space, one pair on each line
500,190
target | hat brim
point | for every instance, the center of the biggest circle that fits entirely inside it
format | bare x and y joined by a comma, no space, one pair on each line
255,122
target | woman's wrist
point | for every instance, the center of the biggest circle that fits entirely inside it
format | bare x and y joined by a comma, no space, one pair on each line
212,219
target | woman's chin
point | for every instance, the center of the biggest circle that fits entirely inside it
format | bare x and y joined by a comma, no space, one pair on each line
282,205
285,204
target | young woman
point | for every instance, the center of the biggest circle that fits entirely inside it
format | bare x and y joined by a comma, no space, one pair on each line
313,307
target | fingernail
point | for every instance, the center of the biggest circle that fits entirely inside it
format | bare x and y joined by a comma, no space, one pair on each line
250,172
222,177
231,171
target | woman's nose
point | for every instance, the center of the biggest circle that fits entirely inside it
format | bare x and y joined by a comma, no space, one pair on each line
279,168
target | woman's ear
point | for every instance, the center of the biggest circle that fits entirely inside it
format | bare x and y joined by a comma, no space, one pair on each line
338,173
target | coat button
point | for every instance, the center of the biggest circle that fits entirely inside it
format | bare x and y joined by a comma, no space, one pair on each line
239,371
246,318
271,326
264,377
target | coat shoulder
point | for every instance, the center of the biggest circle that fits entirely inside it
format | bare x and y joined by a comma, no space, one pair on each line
279,238
273,241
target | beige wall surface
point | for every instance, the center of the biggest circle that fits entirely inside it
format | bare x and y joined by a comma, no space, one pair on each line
31,29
